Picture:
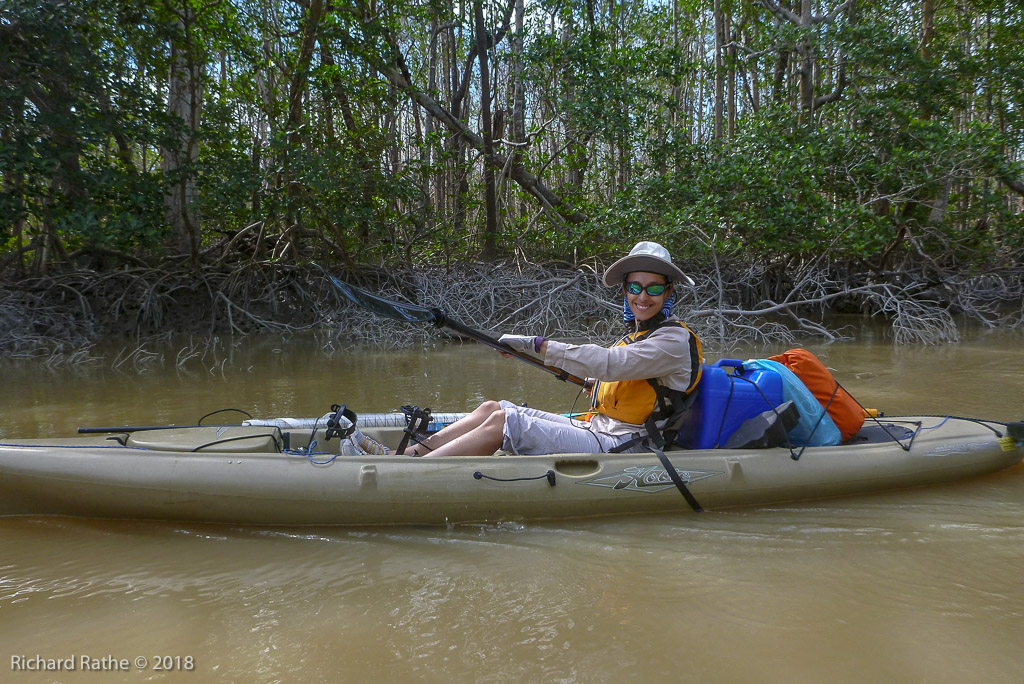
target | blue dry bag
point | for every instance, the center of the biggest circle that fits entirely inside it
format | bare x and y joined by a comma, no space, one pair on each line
816,427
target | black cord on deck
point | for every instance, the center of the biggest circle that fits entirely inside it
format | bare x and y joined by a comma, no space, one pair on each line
550,475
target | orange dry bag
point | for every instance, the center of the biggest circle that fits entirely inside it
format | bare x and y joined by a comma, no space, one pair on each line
844,410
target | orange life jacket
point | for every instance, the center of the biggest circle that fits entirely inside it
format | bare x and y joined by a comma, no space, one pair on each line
634,401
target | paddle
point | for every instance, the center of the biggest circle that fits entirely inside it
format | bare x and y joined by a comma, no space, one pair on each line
410,313
143,428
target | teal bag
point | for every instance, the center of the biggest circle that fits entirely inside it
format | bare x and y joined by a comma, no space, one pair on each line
816,427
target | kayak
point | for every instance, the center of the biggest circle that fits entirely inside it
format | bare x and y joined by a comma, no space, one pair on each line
284,472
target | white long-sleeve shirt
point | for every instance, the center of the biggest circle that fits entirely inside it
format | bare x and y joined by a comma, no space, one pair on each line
663,354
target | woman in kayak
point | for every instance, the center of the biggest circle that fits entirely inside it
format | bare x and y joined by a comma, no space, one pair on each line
639,384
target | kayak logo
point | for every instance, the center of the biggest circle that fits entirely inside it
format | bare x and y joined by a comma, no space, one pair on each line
954,449
647,479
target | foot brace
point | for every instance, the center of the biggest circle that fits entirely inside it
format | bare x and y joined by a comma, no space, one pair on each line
417,422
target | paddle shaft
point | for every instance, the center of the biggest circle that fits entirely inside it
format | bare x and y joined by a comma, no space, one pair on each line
442,320
137,428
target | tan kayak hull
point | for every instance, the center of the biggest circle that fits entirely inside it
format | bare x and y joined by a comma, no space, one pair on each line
239,475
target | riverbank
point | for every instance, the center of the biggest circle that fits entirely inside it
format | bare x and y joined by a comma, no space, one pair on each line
65,315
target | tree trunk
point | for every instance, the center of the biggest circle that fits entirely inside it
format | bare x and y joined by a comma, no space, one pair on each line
577,159
296,95
806,60
754,81
184,105
937,213
518,87
808,68
927,27
430,190
490,246
719,71
732,82
353,138
779,75
398,74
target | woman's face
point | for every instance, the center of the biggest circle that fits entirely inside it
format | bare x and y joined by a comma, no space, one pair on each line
645,305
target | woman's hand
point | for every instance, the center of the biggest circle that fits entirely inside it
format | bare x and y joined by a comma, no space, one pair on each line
522,343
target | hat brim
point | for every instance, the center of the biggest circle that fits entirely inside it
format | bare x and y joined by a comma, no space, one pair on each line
617,272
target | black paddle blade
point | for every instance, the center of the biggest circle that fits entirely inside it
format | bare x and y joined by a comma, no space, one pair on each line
409,313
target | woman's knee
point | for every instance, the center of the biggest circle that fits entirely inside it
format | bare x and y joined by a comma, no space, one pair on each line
494,425
489,407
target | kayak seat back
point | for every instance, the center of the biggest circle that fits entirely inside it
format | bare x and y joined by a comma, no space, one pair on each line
727,395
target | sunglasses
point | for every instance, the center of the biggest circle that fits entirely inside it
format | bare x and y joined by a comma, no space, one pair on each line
653,290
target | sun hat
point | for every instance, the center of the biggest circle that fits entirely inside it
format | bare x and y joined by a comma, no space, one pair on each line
649,257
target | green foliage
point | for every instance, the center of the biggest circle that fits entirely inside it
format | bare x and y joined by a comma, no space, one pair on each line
619,100
73,119
778,191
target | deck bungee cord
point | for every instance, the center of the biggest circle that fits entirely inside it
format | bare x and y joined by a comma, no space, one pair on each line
984,422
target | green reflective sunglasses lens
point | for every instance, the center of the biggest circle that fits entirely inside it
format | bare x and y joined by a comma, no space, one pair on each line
652,290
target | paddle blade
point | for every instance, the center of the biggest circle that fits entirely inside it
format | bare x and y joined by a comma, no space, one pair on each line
398,311
417,314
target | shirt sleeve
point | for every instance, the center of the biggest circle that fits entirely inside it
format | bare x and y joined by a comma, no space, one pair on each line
664,354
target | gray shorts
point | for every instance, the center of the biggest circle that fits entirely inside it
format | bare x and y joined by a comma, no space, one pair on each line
531,431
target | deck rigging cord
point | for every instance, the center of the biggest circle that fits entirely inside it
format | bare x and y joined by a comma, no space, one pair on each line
549,475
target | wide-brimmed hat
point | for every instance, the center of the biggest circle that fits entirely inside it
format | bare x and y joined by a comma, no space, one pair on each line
649,257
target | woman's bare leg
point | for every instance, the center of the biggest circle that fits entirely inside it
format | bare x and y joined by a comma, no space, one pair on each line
458,428
483,440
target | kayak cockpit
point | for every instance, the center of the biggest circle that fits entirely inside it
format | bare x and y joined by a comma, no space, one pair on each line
242,439
233,439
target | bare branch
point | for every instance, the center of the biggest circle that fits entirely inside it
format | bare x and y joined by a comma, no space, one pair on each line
781,12
834,14
796,19
823,100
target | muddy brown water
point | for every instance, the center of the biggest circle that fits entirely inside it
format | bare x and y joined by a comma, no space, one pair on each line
914,586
